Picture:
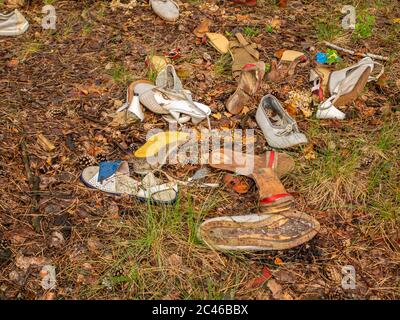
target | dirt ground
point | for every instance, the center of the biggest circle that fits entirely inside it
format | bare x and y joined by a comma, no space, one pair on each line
65,83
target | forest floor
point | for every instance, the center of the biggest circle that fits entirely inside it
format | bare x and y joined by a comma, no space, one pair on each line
65,83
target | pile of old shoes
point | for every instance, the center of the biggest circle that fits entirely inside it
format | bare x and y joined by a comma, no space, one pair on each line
277,226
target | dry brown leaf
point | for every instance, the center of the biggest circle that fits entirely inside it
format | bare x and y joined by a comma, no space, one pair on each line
241,18
283,3
24,262
276,23
202,28
12,63
259,281
279,53
245,110
291,109
382,81
309,152
45,143
238,184
275,288
217,116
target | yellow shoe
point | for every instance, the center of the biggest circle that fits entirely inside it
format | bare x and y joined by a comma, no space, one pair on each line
160,141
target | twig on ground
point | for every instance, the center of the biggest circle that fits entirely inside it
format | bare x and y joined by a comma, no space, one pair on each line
374,56
33,180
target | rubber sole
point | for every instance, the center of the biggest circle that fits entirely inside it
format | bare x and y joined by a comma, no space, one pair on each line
266,232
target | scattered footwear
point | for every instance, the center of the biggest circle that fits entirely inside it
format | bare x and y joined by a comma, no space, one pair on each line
13,24
113,177
165,9
249,82
168,79
343,86
259,231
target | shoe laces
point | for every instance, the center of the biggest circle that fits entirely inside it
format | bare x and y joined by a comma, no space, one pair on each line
288,130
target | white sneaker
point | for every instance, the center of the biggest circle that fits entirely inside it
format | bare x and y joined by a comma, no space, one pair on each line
165,9
13,24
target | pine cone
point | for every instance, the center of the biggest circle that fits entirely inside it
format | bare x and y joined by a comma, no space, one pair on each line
101,157
55,113
5,251
118,272
4,244
85,161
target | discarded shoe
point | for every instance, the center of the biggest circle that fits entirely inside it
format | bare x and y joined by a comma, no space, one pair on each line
13,24
113,177
168,79
344,86
255,232
249,82
280,130
160,142
169,99
165,9
131,110
272,194
286,66
247,163
243,53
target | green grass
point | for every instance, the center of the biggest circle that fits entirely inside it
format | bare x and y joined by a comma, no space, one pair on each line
153,235
251,31
364,26
329,181
87,29
337,178
30,49
384,177
269,28
223,65
327,31
120,74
